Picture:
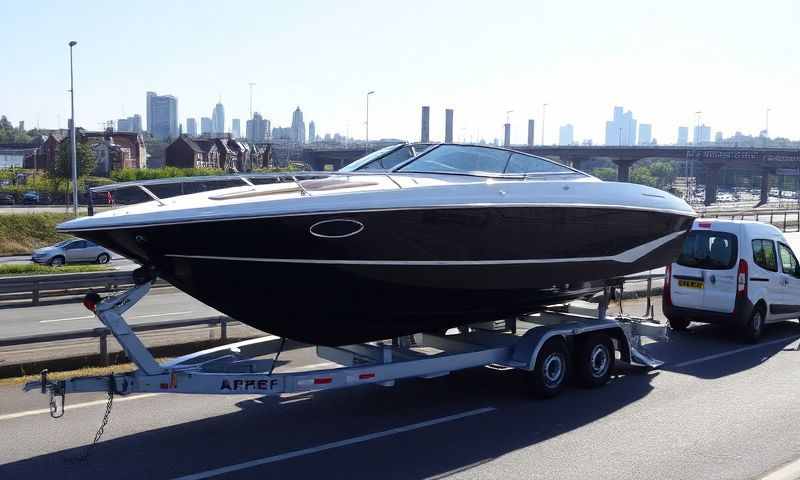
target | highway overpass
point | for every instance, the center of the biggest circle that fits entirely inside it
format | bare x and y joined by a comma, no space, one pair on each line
762,161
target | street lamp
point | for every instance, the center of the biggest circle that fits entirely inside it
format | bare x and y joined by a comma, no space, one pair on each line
544,111
371,92
766,128
73,152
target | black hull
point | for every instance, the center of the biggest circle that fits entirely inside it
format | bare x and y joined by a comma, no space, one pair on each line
408,271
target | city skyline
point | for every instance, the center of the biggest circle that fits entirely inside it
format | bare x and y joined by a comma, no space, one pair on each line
733,78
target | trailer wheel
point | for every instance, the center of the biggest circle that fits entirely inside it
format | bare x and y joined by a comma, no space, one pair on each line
679,324
594,360
551,369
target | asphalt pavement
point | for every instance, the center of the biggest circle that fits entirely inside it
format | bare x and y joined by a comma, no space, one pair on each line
165,304
718,409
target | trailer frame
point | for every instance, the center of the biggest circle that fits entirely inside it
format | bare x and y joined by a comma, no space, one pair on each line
236,368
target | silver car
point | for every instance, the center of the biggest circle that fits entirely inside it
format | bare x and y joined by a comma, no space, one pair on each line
74,250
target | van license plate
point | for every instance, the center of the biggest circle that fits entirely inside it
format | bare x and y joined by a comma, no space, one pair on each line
690,284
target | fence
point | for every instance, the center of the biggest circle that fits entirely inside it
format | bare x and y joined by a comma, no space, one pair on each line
102,333
783,218
37,286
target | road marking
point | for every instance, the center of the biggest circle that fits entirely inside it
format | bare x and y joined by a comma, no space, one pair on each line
162,314
332,445
790,471
92,316
11,416
67,319
733,352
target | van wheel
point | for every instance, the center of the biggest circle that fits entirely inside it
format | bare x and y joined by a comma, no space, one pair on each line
594,360
679,324
755,326
551,369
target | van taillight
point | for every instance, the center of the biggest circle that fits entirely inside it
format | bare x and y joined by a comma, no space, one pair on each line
667,295
741,279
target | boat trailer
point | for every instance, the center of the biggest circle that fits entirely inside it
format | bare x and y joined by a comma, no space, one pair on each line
546,344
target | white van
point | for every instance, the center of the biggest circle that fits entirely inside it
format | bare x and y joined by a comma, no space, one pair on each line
740,273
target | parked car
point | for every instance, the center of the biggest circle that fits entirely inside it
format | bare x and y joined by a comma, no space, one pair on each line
74,250
737,273
7,198
37,198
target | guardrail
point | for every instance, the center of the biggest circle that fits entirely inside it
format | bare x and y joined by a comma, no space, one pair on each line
781,218
102,333
37,286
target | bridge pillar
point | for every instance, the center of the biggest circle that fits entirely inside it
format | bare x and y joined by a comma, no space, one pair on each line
624,170
764,187
712,182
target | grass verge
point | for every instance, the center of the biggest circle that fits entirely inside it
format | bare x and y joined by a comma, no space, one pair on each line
81,372
21,233
35,269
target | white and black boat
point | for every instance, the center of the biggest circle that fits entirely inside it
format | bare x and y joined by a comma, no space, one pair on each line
457,234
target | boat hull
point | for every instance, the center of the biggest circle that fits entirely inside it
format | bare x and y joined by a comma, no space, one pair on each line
396,272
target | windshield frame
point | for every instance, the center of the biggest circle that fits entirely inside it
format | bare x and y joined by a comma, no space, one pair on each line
371,157
398,168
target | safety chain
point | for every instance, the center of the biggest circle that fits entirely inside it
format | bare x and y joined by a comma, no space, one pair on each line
103,424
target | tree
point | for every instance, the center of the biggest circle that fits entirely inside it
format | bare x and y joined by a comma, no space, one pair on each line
62,167
664,172
605,173
642,176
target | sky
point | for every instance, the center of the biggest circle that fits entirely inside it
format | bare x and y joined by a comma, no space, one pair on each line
664,61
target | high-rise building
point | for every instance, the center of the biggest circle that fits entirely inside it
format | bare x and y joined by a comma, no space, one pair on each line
236,128
718,137
191,127
426,125
312,132
622,129
218,119
530,132
206,126
448,125
162,116
298,127
702,134
683,136
507,135
258,128
130,124
645,134
566,134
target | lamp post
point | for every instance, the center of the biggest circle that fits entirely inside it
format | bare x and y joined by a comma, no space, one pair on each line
73,151
366,147
766,127
544,111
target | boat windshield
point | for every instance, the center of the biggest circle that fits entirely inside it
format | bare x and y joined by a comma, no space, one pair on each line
481,160
383,159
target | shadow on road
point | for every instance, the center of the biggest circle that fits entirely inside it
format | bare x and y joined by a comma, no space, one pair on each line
702,341
269,426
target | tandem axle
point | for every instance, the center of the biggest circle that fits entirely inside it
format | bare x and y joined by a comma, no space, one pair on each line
547,344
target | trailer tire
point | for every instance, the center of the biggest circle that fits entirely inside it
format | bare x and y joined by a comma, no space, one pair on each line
679,324
594,360
550,372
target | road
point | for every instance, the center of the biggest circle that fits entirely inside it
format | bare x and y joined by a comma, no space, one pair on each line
160,304
716,410
116,260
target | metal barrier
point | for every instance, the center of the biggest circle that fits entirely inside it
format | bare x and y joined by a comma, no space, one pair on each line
781,218
102,333
60,284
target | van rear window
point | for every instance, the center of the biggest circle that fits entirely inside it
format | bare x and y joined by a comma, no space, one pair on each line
709,250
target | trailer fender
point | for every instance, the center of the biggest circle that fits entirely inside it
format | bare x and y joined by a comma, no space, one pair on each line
527,348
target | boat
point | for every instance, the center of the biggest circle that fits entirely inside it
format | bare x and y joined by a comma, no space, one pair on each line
455,235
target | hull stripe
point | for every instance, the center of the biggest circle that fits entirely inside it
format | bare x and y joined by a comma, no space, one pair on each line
628,256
